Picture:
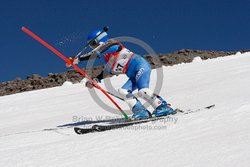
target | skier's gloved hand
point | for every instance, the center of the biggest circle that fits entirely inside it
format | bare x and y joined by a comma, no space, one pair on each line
89,84
73,60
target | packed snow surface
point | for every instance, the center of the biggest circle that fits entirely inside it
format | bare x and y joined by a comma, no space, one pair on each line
215,137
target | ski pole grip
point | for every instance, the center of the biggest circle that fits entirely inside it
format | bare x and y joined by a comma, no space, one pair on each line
105,29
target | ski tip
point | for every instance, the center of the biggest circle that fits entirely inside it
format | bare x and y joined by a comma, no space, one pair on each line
77,130
211,106
81,131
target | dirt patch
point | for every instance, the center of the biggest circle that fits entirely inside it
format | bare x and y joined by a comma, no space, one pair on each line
35,81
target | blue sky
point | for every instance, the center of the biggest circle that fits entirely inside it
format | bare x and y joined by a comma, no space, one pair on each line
166,25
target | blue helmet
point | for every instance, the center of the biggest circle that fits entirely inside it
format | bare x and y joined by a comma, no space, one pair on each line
98,38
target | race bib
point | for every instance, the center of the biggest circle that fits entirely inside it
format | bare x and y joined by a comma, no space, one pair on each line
121,60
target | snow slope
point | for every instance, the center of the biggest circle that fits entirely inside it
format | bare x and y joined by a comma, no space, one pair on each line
217,137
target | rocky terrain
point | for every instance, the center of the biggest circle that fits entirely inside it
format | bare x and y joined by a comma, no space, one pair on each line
36,81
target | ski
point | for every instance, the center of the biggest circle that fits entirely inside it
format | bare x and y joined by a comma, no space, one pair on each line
101,128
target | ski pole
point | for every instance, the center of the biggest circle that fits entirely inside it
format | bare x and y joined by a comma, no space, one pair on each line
105,29
27,31
118,97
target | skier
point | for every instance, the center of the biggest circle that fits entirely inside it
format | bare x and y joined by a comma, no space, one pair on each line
120,60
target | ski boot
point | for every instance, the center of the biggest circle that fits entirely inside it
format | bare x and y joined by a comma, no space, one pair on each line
140,112
163,109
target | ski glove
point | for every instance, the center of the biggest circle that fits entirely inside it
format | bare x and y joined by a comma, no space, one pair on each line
73,60
89,83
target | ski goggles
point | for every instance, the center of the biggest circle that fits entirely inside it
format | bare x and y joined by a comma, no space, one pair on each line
94,43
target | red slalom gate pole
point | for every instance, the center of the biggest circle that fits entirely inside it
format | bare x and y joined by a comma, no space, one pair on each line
27,31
